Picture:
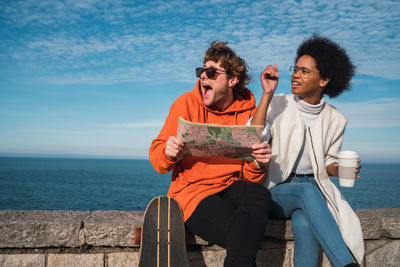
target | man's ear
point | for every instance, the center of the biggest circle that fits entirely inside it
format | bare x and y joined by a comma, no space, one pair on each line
324,82
233,81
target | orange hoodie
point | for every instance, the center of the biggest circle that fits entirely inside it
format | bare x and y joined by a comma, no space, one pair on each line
195,178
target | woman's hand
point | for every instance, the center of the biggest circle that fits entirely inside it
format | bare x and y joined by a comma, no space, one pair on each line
332,169
269,79
261,153
358,167
173,147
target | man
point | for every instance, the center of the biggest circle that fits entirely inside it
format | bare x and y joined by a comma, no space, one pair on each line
221,198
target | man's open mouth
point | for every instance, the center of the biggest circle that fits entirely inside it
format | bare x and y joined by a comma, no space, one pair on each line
207,90
206,87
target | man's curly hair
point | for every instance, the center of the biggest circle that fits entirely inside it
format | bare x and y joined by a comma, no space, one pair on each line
234,65
332,62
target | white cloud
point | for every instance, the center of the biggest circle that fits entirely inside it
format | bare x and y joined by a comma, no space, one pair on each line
377,113
170,36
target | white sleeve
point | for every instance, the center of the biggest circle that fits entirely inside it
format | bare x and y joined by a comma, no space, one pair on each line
328,162
266,134
249,121
336,143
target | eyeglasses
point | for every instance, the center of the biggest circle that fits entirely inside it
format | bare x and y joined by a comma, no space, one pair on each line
210,72
304,72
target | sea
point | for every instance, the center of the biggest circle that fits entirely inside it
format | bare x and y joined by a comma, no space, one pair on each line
127,184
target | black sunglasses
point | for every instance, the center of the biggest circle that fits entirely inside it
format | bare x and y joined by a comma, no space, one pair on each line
210,72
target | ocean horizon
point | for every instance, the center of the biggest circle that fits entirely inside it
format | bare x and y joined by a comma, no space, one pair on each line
83,183
378,160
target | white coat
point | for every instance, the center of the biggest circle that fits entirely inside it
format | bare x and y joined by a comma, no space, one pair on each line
324,139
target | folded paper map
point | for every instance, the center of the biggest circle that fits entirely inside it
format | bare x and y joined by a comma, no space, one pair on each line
213,140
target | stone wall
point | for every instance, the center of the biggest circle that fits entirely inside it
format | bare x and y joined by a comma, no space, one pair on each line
106,239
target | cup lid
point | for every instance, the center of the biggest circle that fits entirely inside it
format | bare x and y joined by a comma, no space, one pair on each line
347,154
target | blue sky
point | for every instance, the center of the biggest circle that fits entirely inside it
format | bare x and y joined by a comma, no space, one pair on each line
97,78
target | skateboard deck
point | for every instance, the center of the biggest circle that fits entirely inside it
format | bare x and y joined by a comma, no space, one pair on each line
163,235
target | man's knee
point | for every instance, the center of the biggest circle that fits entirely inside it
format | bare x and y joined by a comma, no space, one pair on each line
261,192
254,197
254,190
260,195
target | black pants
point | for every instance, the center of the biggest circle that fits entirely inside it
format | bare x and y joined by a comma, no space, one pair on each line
235,219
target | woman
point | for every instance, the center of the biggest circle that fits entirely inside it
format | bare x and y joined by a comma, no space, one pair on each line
306,135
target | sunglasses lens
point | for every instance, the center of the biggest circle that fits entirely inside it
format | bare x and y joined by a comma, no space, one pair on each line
199,71
210,72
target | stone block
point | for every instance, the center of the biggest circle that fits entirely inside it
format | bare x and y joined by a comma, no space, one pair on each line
378,223
207,258
122,259
390,221
106,238
112,227
215,256
386,254
281,229
325,261
373,245
370,224
22,260
276,256
75,260
195,240
275,243
35,228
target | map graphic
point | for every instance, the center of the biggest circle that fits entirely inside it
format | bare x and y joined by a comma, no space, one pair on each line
213,140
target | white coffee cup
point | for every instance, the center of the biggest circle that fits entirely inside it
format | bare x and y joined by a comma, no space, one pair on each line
348,161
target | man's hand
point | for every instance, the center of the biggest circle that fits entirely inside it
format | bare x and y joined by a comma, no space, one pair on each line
173,147
261,153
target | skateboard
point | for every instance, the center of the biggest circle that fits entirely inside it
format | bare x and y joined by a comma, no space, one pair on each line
163,235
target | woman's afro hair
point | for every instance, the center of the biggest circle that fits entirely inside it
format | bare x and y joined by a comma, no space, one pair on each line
332,62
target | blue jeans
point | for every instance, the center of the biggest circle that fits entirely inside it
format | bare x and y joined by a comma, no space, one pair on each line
312,222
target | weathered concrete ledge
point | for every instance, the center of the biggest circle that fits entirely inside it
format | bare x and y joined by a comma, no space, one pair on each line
106,238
